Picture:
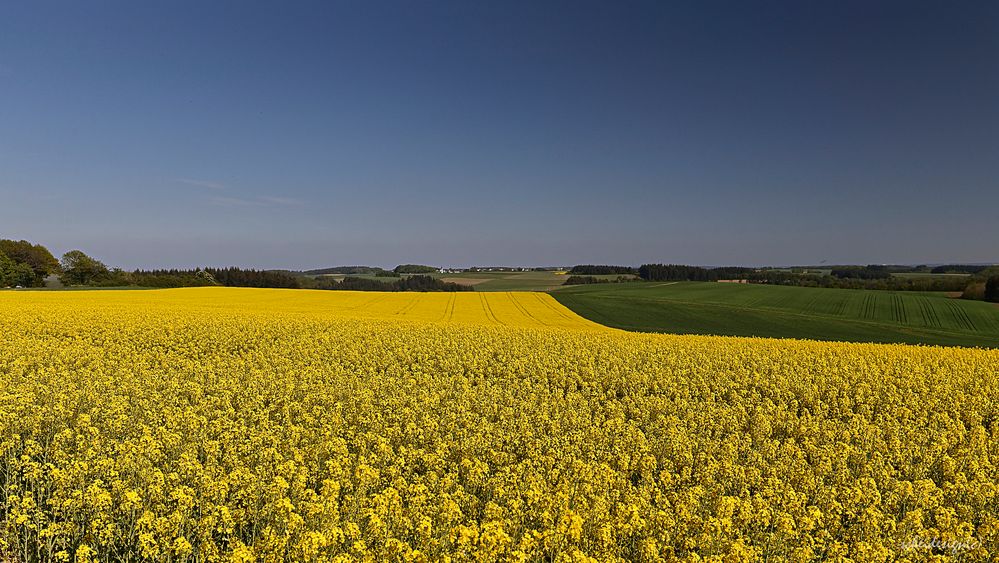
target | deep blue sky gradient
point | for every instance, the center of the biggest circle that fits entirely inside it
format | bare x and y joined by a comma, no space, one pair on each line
298,135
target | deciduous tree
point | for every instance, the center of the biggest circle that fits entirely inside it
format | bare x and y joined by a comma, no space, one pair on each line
80,269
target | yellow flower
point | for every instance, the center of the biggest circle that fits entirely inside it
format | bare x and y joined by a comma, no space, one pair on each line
253,425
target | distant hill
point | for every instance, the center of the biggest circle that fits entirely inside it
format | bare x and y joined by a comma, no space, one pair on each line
345,270
414,269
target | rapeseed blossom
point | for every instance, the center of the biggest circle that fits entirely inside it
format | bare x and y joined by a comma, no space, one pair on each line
265,425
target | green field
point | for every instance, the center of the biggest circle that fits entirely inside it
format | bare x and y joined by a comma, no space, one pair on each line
787,312
507,281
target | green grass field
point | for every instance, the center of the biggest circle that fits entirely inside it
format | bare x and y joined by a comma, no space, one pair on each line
507,281
787,312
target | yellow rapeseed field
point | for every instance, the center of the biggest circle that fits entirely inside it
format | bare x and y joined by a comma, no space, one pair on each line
519,309
279,425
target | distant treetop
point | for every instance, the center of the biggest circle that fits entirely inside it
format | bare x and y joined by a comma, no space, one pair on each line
414,269
601,270
35,257
958,269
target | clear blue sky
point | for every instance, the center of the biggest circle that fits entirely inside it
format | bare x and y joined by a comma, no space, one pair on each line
298,135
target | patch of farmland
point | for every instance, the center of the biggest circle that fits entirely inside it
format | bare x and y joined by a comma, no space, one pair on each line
781,311
511,281
517,309
464,280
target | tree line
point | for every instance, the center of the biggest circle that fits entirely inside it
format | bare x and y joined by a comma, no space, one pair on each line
862,272
959,269
600,270
416,282
23,264
890,283
239,277
414,269
80,269
680,272
842,277
585,280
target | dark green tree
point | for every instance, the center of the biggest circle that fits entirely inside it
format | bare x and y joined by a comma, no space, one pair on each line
13,274
80,269
992,289
36,256
414,269
599,270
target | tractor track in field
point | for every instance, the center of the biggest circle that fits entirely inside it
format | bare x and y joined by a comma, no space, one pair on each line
961,316
489,310
928,312
365,304
898,309
556,309
524,310
839,308
449,309
870,307
408,306
810,306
